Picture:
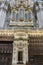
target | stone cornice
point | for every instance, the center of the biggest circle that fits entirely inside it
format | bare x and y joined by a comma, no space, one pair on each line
10,35
29,32
6,38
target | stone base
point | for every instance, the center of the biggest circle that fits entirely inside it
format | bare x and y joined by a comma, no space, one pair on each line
20,62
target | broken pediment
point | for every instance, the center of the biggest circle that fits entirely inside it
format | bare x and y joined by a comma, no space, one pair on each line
21,35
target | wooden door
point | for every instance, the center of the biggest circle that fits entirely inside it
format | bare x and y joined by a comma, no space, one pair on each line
6,50
20,56
5,59
39,59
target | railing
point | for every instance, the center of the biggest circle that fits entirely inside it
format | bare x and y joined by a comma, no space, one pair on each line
21,23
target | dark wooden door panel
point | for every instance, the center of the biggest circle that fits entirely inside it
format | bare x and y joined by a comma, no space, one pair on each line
6,50
20,56
39,59
5,59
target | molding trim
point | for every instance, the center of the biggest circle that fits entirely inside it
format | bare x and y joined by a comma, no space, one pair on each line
28,32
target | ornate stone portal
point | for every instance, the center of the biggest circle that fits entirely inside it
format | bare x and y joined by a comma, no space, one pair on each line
20,48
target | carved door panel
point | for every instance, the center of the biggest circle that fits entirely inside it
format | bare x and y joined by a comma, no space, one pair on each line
39,60
5,59
6,50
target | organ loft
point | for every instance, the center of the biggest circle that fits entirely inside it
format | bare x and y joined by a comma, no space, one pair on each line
21,32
